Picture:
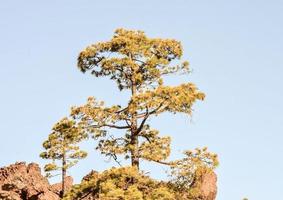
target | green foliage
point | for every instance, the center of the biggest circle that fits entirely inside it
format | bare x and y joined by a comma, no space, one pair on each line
62,144
125,183
186,170
128,183
130,56
137,63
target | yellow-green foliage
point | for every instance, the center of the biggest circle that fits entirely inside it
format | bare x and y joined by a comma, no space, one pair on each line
185,171
62,145
115,183
125,183
128,183
137,63
135,58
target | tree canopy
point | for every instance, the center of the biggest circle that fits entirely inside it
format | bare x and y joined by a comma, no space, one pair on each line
62,145
136,63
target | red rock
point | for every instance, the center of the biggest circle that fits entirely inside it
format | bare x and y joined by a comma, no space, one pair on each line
208,186
58,186
25,182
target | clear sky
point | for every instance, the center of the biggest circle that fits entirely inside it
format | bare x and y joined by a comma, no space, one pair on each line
235,50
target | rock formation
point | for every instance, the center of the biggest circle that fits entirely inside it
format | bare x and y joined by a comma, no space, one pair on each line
25,182
207,186
20,181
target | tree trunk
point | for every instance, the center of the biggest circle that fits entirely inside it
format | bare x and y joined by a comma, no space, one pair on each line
63,174
134,134
135,153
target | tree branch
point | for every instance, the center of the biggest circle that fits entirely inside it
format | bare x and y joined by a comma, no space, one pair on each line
110,126
143,121
151,112
147,138
163,162
122,110
134,59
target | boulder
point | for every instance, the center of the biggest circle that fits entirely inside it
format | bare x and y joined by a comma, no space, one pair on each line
20,181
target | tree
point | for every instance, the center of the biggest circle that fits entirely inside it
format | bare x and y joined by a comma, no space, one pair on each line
116,183
187,173
62,144
138,64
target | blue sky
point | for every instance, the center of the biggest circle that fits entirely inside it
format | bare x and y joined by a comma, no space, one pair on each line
235,50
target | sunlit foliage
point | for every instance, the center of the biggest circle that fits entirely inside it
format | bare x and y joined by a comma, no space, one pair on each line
184,171
128,183
62,145
137,63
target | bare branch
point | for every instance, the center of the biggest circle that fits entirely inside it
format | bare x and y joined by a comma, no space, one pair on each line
143,121
110,126
147,138
163,162
122,110
134,59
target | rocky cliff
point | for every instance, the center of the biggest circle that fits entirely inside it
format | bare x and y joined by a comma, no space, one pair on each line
21,181
25,182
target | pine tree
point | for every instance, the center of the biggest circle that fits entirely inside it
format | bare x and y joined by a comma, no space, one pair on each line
62,145
137,64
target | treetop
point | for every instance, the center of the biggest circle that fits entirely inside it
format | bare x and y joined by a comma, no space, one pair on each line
130,57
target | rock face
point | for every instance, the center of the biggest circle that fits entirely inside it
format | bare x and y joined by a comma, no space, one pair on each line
25,182
58,186
208,186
